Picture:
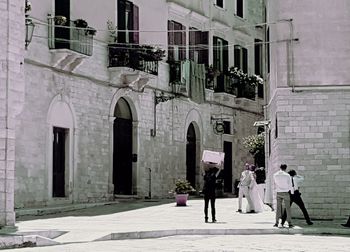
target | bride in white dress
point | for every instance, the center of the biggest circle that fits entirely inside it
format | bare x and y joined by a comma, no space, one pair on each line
258,205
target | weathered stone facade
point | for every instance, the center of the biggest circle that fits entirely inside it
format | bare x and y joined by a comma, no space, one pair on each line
11,100
309,100
79,94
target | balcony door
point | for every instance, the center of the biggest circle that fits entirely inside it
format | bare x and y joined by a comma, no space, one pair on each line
220,62
62,34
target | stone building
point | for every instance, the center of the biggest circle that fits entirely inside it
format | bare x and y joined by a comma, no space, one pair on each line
11,100
308,99
97,115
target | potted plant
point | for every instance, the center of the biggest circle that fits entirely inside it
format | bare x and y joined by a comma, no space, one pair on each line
80,23
60,20
181,191
90,31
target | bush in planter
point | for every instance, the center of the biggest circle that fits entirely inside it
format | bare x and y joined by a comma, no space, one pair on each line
182,186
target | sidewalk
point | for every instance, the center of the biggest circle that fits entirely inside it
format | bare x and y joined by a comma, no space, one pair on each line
157,221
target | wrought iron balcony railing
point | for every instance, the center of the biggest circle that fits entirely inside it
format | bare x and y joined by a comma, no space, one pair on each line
132,56
68,36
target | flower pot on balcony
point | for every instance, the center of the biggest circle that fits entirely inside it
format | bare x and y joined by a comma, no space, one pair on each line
181,199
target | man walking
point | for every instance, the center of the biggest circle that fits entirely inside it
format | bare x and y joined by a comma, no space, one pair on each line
296,197
244,185
283,182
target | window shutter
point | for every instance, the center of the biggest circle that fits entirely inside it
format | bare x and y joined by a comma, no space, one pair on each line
136,35
245,60
204,48
216,55
183,43
257,57
121,20
225,54
170,40
192,42
237,56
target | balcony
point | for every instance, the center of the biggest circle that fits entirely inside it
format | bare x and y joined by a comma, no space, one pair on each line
138,57
69,36
227,83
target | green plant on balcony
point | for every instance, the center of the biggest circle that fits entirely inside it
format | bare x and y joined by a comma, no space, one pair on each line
60,20
243,83
90,31
112,30
238,76
150,53
80,23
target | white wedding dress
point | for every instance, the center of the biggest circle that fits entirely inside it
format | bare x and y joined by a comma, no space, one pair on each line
258,205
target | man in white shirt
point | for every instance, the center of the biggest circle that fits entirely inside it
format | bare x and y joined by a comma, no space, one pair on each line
244,185
283,182
296,198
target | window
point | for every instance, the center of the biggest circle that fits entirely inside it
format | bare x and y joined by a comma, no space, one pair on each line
239,8
128,19
227,127
199,51
220,62
176,41
220,3
220,54
241,58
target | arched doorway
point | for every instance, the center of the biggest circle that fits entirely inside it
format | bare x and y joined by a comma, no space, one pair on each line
122,149
191,155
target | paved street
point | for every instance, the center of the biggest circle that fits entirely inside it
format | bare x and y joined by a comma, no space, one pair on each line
119,227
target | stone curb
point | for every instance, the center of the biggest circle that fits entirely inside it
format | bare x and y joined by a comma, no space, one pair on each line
44,238
164,233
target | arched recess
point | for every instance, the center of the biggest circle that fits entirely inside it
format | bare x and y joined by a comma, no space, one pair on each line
123,179
61,121
193,139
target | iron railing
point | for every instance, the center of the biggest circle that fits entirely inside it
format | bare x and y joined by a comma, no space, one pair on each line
132,56
68,36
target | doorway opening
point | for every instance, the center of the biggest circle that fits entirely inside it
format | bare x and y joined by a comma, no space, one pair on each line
122,149
227,172
191,155
59,173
